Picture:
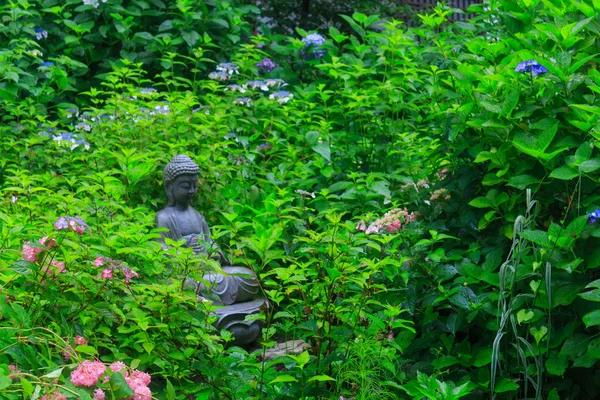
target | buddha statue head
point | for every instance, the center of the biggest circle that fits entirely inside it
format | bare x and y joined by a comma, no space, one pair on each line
180,181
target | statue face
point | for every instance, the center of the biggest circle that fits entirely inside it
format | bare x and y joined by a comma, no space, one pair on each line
183,189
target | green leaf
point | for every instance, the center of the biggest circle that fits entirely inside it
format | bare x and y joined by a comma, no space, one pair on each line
522,182
505,385
524,316
547,136
592,318
321,378
54,374
23,267
557,366
593,349
191,37
564,173
580,63
483,357
166,25
86,350
584,152
537,237
511,101
323,149
538,334
481,202
575,346
170,392
590,165
27,387
495,108
577,226
144,35
119,386
284,378
5,381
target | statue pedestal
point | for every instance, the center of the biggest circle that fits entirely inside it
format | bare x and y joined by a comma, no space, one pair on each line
232,318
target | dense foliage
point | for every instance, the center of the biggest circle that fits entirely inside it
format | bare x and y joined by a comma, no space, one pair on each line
419,204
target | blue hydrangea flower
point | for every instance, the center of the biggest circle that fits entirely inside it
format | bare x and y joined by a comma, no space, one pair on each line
275,82
230,135
47,132
218,76
229,68
68,139
64,136
264,146
243,101
235,88
93,3
594,216
47,64
40,33
148,90
160,109
72,112
313,42
256,85
531,66
266,65
282,96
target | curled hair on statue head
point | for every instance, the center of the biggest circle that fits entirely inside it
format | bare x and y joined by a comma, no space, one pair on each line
178,166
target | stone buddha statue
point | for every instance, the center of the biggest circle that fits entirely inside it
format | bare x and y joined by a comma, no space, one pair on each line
237,288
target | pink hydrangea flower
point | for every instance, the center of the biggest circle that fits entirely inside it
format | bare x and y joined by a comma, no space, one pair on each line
56,395
61,223
393,226
99,261
107,273
129,273
362,226
71,223
59,265
99,394
138,381
87,373
80,340
50,243
117,366
30,253
13,372
372,229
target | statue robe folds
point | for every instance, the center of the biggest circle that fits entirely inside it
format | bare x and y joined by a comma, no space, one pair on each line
238,284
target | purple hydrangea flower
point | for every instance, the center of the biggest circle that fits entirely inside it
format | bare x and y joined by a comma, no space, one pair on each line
40,33
266,65
594,216
531,66
313,42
